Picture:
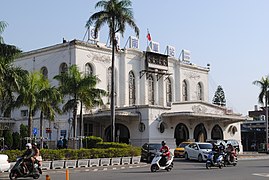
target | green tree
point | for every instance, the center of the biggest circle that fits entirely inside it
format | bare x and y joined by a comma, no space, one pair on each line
29,93
78,88
8,138
16,140
219,97
263,98
116,14
49,100
23,134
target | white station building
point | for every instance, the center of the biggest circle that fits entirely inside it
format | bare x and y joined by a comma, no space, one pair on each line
158,97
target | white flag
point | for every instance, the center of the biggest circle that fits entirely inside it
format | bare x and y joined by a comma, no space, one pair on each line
91,35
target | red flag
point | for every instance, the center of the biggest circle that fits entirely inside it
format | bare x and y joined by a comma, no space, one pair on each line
148,36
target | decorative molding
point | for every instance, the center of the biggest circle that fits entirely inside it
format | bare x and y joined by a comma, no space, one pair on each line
192,75
99,58
199,109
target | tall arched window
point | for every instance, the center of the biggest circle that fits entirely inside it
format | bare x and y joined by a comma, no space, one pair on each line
131,88
150,90
88,69
44,71
184,91
109,74
200,94
63,68
168,90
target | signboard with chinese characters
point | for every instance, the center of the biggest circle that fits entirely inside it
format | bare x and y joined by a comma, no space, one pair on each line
171,51
91,35
156,61
155,46
133,42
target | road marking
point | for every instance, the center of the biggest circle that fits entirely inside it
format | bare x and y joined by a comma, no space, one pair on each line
122,167
261,174
95,170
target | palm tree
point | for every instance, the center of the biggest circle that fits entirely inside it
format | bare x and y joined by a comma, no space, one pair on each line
80,89
3,25
116,14
48,102
29,93
264,86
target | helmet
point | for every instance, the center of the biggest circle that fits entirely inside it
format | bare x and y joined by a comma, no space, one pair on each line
163,143
29,146
34,144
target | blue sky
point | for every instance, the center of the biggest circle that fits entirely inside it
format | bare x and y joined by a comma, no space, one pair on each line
232,36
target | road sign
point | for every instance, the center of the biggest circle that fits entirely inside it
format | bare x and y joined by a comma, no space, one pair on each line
35,131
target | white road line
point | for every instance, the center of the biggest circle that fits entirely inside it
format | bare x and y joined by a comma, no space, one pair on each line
261,174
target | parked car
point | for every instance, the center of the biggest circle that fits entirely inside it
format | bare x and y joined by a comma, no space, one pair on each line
179,151
148,151
234,143
4,164
198,151
217,142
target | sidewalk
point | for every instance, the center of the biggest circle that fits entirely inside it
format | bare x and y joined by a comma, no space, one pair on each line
252,155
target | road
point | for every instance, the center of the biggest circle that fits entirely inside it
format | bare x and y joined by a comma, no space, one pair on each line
190,170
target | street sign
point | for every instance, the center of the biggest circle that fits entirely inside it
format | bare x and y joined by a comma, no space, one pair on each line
35,131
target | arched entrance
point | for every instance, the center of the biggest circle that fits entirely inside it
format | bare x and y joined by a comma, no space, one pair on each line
200,134
122,133
216,133
181,133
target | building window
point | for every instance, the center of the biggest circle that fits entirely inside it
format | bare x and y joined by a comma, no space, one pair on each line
24,113
88,69
88,129
150,90
131,88
63,68
109,74
200,91
44,71
184,91
168,90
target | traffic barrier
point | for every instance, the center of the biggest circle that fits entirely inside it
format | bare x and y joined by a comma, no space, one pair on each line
46,165
59,164
104,161
83,163
125,160
67,174
136,159
47,177
70,163
115,161
94,162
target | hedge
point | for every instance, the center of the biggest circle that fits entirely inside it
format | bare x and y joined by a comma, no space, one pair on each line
70,154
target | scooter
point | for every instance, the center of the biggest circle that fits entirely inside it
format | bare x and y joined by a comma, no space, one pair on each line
156,165
18,170
213,161
230,158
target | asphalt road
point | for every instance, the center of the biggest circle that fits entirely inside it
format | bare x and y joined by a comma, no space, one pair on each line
189,170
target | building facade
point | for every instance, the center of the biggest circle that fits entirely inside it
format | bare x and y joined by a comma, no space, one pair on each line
157,97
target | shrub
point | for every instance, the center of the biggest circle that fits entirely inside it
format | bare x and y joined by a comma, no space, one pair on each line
91,141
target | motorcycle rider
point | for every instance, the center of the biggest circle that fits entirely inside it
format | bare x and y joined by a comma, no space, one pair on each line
230,152
36,156
27,157
165,153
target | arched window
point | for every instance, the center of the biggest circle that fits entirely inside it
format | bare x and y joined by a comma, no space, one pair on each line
150,90
184,91
109,74
200,93
216,133
168,90
88,69
131,88
44,71
63,68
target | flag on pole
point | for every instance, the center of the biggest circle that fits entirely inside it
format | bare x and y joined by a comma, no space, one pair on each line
148,36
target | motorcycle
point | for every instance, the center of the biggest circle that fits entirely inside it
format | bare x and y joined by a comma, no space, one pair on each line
213,161
156,165
230,158
18,170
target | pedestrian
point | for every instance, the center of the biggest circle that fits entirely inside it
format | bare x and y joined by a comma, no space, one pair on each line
65,143
60,143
